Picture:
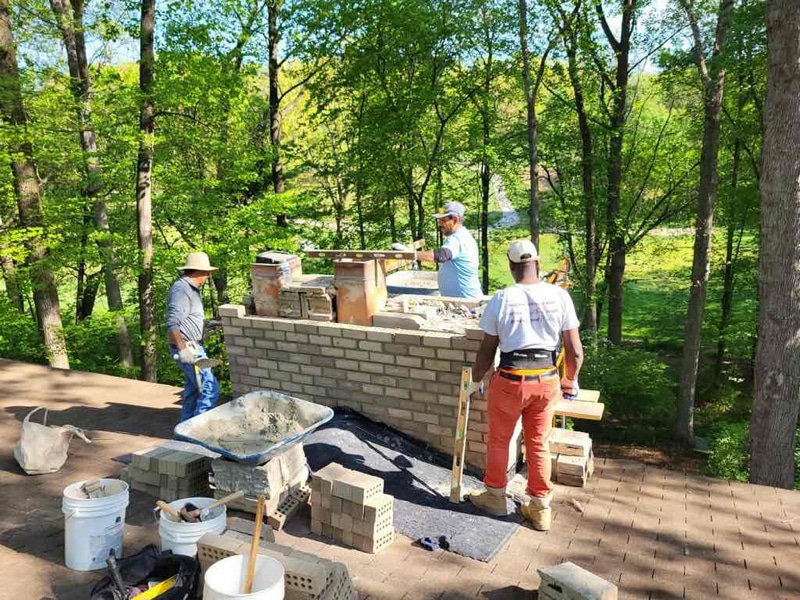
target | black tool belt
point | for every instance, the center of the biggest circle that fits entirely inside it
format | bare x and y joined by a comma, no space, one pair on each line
531,358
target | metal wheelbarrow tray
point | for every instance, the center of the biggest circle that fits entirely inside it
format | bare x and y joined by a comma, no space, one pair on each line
255,427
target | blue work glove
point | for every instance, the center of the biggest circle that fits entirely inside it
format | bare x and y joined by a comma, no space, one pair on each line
569,388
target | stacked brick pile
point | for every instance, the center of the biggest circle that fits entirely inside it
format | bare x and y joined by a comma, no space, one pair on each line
408,380
168,474
351,508
571,456
281,481
308,577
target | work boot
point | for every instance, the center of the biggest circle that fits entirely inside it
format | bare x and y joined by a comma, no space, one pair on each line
537,511
493,501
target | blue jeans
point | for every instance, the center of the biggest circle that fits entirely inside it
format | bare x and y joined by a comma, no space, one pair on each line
197,401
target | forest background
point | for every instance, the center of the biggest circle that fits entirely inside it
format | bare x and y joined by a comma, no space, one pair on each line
626,134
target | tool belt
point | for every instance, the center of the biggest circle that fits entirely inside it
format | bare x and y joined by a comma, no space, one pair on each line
528,374
530,358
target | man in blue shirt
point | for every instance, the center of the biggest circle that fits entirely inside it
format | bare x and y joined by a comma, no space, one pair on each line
185,320
458,256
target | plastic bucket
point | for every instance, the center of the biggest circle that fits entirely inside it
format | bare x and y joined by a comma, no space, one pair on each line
93,526
224,579
181,537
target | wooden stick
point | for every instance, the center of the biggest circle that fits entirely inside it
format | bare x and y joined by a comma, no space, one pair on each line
225,500
461,434
173,512
251,563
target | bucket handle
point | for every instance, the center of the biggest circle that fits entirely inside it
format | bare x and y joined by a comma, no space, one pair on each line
28,416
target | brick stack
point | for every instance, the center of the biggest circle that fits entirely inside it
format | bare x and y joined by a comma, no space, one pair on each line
168,474
406,379
281,481
571,456
308,577
351,508
568,581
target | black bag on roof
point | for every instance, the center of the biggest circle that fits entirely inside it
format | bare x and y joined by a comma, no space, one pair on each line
151,564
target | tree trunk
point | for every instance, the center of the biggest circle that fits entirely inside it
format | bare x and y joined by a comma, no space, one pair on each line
773,424
726,302
530,105
79,288
144,167
713,79
87,299
29,200
71,27
11,280
616,234
273,42
486,176
587,179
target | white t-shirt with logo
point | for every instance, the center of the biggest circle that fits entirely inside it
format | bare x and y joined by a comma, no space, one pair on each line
529,316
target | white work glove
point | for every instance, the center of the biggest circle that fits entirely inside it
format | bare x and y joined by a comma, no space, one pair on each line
569,388
188,354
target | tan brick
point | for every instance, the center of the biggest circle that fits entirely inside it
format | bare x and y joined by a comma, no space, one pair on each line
423,352
426,418
423,374
409,361
371,367
398,349
397,371
384,380
437,430
347,365
412,339
231,332
375,390
283,325
320,340
274,335
448,399
380,336
345,343
300,338
437,341
354,334
474,334
461,343
231,310
356,354
331,352
376,357
303,379
400,413
310,370
370,346
306,328
397,393
358,376
445,354
261,323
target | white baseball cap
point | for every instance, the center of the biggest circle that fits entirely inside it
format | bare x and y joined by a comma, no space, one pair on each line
522,251
451,209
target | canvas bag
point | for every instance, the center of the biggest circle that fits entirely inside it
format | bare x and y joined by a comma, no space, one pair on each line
42,449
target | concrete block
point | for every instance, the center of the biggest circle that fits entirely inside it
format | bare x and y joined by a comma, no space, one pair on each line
572,465
568,581
392,320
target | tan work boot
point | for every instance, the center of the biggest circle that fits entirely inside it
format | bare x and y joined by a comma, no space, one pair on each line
493,501
537,511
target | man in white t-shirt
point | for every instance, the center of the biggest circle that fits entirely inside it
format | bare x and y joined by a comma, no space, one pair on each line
458,256
526,321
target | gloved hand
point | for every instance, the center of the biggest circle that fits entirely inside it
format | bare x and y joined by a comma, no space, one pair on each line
569,388
188,354
477,392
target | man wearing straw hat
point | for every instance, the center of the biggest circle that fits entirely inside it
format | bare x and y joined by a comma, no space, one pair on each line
185,320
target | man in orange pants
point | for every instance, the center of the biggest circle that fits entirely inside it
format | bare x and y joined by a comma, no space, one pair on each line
526,321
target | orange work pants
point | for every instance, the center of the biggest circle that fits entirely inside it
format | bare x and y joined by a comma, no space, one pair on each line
535,401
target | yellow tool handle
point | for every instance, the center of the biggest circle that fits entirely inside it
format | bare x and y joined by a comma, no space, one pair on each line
251,563
225,500
173,512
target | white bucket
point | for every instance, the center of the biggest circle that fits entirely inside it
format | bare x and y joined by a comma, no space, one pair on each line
93,526
224,579
181,537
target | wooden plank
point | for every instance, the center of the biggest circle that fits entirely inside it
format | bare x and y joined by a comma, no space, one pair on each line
362,254
576,409
588,395
461,435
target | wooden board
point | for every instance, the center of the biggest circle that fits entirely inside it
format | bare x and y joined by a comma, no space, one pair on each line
588,395
461,435
577,409
362,254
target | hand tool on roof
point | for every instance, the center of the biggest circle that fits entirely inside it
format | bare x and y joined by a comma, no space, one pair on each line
461,433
